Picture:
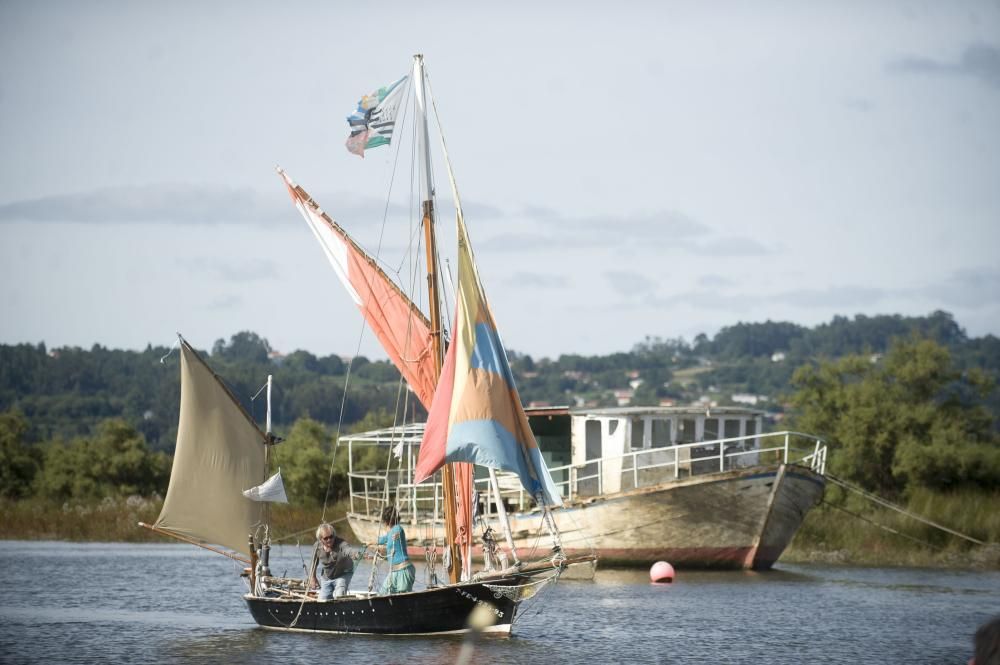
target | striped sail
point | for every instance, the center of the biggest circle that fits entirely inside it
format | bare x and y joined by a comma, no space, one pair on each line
400,326
476,415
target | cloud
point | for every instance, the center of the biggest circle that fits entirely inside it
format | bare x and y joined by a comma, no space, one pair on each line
973,288
834,296
837,297
715,281
231,271
538,280
183,204
630,283
859,104
226,302
179,204
733,246
978,61
664,229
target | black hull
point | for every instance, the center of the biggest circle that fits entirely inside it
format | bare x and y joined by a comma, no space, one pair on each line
438,610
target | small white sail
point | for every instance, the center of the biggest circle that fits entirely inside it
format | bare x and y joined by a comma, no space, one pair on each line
272,490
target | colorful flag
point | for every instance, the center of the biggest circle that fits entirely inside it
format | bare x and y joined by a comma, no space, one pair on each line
375,118
476,415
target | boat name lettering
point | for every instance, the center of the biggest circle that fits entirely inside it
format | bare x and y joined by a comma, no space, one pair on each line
466,594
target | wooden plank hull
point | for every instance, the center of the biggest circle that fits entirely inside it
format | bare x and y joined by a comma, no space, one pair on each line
740,519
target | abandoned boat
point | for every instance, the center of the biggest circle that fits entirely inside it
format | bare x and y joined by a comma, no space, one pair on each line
698,488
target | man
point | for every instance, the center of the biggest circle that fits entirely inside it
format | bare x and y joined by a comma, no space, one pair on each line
335,558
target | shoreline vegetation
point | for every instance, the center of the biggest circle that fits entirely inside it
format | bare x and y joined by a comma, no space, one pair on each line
829,535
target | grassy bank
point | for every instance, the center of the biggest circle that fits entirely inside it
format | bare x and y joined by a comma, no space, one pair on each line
857,531
828,535
115,520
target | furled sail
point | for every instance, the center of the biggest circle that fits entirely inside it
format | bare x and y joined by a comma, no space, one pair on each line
398,323
219,453
477,415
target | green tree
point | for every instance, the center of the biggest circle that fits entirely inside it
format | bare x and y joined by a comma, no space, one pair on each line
304,459
19,463
114,462
908,419
245,346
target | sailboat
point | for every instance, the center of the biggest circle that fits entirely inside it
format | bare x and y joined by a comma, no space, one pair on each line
220,484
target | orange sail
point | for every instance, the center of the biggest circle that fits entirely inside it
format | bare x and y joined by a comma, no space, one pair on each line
398,323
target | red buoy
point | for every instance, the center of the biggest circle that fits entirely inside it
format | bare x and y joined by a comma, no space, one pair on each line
661,573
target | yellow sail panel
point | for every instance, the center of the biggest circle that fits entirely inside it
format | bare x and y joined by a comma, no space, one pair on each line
219,454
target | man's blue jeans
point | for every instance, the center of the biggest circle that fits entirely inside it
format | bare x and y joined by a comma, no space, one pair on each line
336,587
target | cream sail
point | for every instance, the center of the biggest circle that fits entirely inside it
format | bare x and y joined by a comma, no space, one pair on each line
219,454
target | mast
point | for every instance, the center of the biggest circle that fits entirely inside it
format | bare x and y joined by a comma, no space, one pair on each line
265,547
427,206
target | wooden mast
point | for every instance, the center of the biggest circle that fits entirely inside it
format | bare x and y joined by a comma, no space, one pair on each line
427,192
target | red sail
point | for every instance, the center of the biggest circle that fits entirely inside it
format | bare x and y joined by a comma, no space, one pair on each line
398,323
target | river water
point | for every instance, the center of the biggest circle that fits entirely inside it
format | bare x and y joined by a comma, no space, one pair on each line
86,603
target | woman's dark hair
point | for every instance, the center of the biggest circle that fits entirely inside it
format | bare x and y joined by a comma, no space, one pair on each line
390,516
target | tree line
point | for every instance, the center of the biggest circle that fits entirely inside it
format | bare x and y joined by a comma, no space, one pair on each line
904,402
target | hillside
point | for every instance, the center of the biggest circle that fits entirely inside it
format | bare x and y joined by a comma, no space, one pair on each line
66,392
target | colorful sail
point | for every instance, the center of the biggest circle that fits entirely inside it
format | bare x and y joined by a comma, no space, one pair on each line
476,415
375,118
399,324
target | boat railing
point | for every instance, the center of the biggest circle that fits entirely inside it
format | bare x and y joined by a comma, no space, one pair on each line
370,491
644,468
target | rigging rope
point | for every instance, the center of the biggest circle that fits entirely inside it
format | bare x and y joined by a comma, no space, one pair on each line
882,526
882,502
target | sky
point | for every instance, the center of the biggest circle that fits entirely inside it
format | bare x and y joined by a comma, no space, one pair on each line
647,169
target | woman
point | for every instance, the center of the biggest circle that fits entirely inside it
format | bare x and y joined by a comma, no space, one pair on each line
392,546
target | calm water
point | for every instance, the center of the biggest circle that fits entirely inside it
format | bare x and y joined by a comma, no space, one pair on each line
175,603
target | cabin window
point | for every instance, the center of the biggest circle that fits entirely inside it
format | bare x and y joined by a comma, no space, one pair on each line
661,433
593,439
711,429
731,429
635,439
686,431
612,427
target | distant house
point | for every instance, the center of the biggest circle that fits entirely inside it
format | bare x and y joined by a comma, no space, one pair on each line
276,357
623,397
705,402
534,404
778,356
635,383
747,398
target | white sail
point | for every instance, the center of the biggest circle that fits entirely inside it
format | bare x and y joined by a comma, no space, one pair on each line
272,490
